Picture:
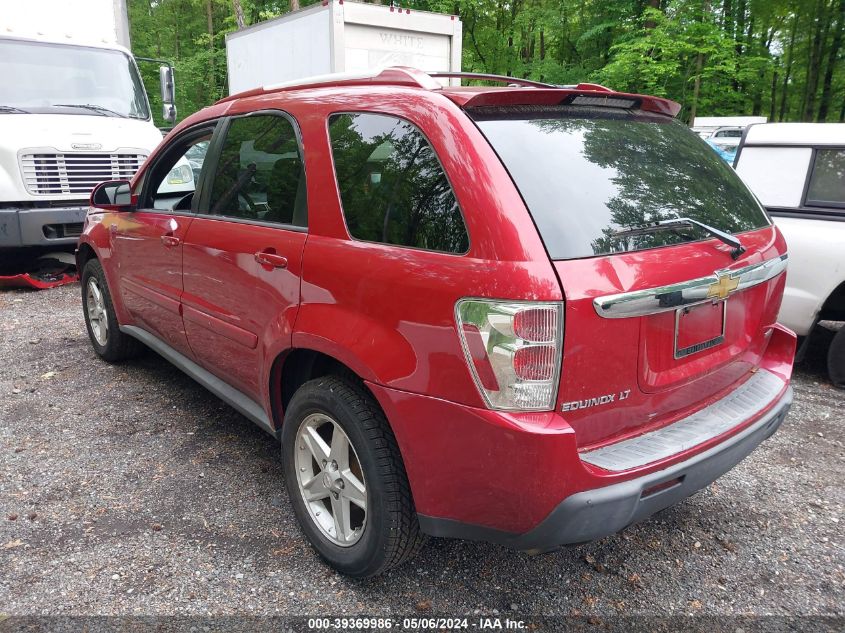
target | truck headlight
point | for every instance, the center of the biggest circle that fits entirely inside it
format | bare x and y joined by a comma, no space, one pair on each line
180,175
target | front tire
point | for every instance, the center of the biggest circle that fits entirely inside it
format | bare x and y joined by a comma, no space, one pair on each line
346,479
836,359
108,341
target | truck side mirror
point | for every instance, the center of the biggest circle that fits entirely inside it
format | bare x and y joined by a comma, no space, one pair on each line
113,195
168,93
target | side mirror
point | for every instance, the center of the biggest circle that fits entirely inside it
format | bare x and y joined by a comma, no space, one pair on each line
113,195
168,93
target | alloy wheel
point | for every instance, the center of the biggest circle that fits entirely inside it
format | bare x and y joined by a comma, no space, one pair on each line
97,318
331,480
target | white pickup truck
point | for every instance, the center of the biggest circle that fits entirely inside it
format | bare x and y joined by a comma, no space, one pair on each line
73,112
797,170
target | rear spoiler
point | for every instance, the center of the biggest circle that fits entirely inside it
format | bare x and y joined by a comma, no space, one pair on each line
582,94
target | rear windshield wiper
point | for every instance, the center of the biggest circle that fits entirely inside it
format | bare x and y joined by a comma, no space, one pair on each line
91,106
724,236
10,109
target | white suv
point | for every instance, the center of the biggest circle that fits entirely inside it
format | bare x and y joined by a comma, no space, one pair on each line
797,170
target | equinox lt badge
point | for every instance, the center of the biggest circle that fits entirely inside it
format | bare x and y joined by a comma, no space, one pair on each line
594,402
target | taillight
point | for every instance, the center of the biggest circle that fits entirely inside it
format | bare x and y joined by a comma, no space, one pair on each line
513,350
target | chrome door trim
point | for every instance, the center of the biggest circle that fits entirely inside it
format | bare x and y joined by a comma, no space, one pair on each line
719,285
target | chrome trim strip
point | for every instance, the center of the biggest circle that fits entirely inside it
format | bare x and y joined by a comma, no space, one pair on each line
739,406
686,293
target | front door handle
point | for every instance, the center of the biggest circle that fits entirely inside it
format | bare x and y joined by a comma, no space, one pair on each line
271,260
170,241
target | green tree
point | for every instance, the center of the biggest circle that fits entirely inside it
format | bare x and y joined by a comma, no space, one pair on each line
783,58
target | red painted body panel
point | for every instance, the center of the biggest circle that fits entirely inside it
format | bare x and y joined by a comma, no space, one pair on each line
234,308
150,271
26,280
513,469
387,312
636,354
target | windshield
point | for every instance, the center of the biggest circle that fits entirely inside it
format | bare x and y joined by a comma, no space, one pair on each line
37,77
587,173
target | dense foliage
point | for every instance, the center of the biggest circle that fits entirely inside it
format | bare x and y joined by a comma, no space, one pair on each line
784,59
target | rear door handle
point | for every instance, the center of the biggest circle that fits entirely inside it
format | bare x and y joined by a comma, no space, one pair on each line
170,241
271,260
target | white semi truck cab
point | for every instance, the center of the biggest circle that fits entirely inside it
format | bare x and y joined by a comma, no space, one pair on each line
73,112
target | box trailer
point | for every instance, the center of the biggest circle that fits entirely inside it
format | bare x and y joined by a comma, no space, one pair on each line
338,36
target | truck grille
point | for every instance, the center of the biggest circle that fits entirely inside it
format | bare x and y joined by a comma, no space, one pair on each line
51,174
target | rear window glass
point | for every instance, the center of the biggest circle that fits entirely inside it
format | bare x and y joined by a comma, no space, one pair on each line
827,182
587,174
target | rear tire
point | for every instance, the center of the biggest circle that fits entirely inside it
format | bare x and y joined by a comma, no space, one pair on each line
388,532
836,359
108,341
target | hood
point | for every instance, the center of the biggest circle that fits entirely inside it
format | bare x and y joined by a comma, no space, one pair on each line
65,133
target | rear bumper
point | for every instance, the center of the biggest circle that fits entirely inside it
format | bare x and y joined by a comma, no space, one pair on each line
593,514
54,226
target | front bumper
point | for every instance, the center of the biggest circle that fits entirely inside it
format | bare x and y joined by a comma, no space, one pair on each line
594,514
51,226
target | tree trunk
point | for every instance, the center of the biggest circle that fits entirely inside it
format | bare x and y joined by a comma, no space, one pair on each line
757,102
773,102
812,84
239,13
210,20
471,29
788,69
294,5
654,4
832,58
699,64
738,34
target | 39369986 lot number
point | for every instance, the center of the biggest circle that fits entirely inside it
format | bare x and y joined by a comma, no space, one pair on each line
377,624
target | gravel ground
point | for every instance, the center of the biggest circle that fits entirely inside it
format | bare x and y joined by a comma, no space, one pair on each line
131,490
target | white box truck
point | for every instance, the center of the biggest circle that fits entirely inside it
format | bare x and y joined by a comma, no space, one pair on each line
73,112
341,37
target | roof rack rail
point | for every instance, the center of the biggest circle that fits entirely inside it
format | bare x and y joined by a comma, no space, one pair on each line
490,77
392,75
400,76
519,82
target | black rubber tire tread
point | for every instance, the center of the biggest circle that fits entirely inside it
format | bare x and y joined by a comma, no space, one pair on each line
403,537
119,346
836,359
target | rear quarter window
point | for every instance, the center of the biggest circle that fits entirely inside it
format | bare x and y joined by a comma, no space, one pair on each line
827,179
588,173
776,175
392,187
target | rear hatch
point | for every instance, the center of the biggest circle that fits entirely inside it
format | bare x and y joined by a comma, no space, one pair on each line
659,320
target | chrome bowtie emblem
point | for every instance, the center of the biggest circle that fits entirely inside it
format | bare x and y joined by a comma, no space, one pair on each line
722,288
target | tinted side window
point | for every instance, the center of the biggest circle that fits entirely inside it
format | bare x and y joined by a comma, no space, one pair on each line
392,186
827,182
175,175
260,174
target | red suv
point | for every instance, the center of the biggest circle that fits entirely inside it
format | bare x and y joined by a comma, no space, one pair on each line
527,314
